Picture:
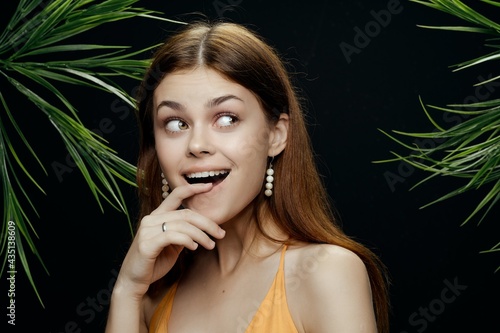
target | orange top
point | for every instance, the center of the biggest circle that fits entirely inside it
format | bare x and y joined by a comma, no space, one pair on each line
273,314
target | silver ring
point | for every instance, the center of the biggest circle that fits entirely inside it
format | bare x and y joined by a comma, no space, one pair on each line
164,227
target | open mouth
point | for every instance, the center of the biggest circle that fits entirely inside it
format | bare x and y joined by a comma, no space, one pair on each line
214,177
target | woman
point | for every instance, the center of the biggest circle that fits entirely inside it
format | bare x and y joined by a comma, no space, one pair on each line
235,232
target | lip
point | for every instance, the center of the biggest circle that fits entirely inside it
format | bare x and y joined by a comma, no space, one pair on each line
203,168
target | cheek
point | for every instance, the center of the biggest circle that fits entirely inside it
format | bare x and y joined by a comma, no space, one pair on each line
254,146
162,151
253,159
168,156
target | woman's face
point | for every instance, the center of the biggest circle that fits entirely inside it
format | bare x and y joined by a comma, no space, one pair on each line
210,129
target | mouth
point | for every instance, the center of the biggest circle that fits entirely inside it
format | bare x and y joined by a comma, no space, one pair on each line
215,177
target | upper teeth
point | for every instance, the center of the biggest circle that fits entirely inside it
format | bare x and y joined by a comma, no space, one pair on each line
205,174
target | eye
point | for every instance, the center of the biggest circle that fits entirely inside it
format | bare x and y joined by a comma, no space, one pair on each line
175,125
226,120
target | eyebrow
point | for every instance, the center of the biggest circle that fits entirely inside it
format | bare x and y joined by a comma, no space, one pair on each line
210,104
171,104
219,100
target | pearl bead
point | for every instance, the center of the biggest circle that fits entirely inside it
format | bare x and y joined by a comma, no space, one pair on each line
269,179
164,187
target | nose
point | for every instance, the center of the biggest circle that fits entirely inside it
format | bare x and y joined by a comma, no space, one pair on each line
199,143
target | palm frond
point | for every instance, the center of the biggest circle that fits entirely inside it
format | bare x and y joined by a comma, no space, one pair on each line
469,150
42,28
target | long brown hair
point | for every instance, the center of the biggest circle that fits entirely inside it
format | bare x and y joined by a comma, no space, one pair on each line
300,205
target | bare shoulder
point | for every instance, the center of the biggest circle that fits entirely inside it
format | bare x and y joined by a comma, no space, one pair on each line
328,289
319,261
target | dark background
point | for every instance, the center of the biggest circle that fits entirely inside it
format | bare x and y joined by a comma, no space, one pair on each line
426,250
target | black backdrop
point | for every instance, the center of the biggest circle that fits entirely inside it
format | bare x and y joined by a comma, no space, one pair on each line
354,85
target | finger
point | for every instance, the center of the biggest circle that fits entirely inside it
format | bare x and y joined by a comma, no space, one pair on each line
193,232
181,239
174,220
175,198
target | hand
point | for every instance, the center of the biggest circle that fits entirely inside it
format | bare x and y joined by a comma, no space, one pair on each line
153,251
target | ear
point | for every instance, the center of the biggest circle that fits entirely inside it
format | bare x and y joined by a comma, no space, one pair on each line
278,135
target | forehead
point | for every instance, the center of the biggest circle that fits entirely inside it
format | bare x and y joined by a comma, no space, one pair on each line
197,83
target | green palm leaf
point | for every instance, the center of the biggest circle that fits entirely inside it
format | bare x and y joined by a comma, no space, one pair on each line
22,43
469,150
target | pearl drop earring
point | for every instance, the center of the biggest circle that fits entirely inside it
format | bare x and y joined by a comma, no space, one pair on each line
269,179
164,188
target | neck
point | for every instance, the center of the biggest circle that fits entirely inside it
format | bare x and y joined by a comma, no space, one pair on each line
243,241
241,232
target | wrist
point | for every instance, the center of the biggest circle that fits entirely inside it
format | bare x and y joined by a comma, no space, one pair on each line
127,290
